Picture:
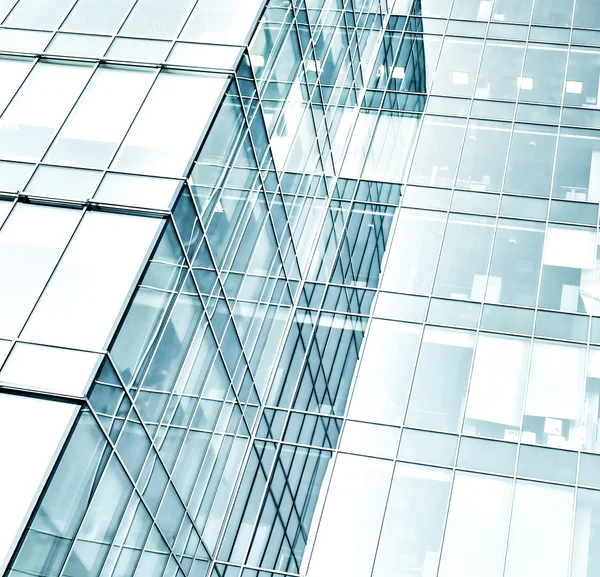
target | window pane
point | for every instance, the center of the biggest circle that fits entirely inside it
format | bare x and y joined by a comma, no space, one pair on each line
583,77
110,498
5,347
61,182
554,395
347,538
432,8
137,190
221,22
437,151
586,14
31,242
489,456
497,390
5,7
585,561
390,147
414,252
457,67
484,156
38,13
49,369
472,9
516,263
427,447
101,118
578,166
385,374
13,73
156,18
464,259
591,403
540,530
64,503
568,271
543,75
414,521
553,12
14,175
97,268
5,207
32,428
547,464
512,11
81,45
531,160
440,384
417,53
97,16
167,129
476,532
29,123
369,439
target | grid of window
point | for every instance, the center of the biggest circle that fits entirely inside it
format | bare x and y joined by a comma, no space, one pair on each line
472,428
364,342
216,466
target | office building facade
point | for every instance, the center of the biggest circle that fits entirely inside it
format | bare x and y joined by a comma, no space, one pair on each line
299,288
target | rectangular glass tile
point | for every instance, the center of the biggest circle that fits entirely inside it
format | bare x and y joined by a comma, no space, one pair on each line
49,369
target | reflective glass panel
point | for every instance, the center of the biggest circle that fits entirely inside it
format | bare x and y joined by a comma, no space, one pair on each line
554,398
97,268
477,527
49,369
438,148
39,108
484,156
101,118
226,22
38,437
568,269
97,16
540,530
348,535
418,499
585,561
516,263
13,73
591,403
38,13
413,253
168,127
31,242
157,19
531,160
439,388
497,389
464,258
577,166
542,79
457,67
385,374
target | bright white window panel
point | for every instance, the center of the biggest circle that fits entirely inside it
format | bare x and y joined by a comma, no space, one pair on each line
31,431
50,369
205,55
83,301
165,133
133,190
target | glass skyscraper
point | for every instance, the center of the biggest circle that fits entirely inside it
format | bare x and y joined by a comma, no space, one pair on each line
299,288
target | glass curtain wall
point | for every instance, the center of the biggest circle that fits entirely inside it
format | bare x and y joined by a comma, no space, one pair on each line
328,328
470,442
